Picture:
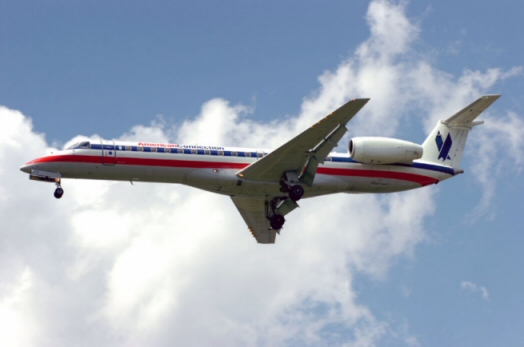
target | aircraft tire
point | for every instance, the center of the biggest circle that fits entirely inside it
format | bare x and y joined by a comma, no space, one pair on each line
58,193
277,222
296,192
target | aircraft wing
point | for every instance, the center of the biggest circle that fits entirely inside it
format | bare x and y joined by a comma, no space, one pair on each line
303,153
254,213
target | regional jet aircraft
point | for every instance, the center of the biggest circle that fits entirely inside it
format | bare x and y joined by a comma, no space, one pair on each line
266,185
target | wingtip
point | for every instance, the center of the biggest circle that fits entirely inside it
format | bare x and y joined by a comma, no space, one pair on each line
492,96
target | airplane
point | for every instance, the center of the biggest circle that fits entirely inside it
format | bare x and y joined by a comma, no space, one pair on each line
266,185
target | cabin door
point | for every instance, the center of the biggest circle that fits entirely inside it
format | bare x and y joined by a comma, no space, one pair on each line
108,152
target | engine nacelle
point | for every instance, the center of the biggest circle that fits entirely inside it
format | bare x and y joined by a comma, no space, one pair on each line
383,150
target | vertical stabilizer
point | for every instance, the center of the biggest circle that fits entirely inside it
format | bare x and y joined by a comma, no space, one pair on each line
446,142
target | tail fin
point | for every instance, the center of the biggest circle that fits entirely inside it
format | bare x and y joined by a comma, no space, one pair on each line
445,144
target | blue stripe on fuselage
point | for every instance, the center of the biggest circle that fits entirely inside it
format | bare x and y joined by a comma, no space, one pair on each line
416,165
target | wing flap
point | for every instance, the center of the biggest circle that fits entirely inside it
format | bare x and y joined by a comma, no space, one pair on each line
319,153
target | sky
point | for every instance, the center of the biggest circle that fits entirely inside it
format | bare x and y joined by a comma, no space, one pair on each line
113,264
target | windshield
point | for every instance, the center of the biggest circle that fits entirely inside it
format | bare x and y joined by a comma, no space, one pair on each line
84,144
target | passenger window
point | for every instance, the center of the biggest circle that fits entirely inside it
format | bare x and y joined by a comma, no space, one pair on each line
220,152
128,148
248,154
167,150
233,154
180,150
194,151
140,149
154,149
328,159
260,154
207,151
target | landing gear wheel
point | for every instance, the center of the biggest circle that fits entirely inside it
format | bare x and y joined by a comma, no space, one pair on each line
296,192
59,192
277,221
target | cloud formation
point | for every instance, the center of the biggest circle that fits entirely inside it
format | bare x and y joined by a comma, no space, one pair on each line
150,264
473,287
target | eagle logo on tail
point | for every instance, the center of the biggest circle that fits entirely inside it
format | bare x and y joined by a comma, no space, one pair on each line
443,146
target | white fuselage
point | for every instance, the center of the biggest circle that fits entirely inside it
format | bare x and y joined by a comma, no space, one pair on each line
214,169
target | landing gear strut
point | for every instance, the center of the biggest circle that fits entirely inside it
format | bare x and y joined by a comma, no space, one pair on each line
58,191
289,184
278,207
276,220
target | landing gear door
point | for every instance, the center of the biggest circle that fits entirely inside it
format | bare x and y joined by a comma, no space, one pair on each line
108,152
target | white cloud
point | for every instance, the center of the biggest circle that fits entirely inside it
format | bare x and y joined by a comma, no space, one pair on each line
155,132
154,264
473,287
498,148
19,327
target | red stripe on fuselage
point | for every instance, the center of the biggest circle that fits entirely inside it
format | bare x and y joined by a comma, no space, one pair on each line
420,179
139,161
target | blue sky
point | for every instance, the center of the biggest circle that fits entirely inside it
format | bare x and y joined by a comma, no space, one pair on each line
172,57
447,266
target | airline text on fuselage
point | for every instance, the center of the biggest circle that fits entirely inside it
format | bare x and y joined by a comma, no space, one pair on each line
170,145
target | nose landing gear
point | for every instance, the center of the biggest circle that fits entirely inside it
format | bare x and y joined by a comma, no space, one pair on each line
58,191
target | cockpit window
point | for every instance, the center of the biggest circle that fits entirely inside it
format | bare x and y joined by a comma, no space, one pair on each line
84,144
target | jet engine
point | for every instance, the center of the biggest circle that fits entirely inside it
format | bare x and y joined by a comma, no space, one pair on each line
383,150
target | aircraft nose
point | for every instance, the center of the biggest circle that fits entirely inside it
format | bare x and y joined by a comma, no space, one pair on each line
26,168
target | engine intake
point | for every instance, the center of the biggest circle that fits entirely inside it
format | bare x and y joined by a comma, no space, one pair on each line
383,150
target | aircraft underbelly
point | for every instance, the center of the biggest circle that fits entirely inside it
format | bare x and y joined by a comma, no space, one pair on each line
222,181
123,172
383,185
387,179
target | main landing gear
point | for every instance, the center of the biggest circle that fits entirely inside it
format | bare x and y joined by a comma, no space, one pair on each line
58,191
289,184
274,215
296,192
279,206
277,221
276,209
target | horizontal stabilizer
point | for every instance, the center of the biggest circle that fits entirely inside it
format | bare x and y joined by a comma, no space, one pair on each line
467,115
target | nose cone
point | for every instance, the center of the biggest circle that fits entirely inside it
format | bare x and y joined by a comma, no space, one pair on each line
26,168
